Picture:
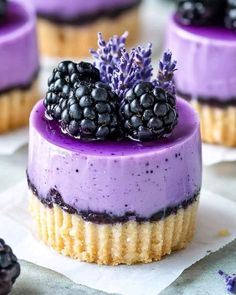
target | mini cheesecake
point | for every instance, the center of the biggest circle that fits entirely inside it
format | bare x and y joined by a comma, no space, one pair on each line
114,168
206,76
115,202
19,65
71,25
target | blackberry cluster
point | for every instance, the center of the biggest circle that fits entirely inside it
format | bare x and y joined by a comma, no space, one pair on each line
85,107
89,112
148,113
9,268
200,12
88,109
230,16
63,80
3,6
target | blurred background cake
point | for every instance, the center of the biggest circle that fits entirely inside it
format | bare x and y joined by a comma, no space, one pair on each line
68,28
202,36
19,63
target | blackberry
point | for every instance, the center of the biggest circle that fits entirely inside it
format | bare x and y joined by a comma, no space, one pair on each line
9,268
230,16
89,112
200,12
63,79
148,113
71,72
3,7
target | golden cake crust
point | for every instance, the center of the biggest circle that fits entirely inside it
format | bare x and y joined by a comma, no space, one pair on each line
16,105
218,125
112,244
75,41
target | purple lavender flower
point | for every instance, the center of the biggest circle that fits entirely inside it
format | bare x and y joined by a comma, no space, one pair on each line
132,68
143,58
119,68
230,281
122,69
165,76
125,73
108,55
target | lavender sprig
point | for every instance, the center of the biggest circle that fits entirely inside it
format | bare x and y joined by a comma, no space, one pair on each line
165,76
125,73
132,68
122,69
118,68
230,281
143,58
108,55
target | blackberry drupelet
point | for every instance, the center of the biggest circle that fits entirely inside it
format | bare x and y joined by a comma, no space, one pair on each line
200,12
90,112
9,268
88,72
230,16
62,81
3,7
148,113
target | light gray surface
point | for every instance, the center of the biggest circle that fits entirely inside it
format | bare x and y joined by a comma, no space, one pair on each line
200,279
35,280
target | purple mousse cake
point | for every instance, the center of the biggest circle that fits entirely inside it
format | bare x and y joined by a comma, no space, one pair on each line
19,64
71,25
114,168
205,50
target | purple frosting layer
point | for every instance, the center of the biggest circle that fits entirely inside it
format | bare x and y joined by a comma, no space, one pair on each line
18,46
116,177
72,8
206,59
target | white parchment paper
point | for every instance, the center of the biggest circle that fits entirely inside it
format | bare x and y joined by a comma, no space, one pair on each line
215,213
11,142
213,154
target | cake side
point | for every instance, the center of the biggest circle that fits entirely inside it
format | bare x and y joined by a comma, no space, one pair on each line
116,180
76,22
65,34
18,40
206,70
112,244
81,11
206,76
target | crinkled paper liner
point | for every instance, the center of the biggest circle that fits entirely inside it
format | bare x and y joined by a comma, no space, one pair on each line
218,125
15,107
75,41
112,244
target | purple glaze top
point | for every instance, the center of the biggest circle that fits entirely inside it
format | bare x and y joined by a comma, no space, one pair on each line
18,45
72,8
206,59
116,177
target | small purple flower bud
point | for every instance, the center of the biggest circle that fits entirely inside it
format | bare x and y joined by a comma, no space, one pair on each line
167,67
230,281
